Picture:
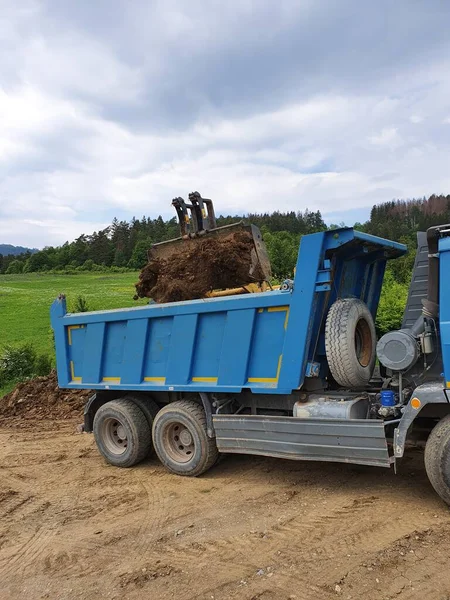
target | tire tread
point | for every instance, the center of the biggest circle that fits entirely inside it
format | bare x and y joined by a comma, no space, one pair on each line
437,451
197,412
133,413
337,350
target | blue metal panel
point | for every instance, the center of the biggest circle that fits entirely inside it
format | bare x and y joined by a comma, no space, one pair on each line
339,237
156,350
267,347
208,347
236,349
299,330
57,312
181,349
444,304
352,278
76,340
134,351
206,305
113,347
93,352
373,285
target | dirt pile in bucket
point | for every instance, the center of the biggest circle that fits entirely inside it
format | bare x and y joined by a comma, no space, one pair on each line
211,263
41,399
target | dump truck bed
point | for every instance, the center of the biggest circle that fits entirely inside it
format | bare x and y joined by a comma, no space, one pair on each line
258,341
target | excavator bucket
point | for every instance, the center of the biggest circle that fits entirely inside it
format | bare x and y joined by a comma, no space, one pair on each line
259,263
198,222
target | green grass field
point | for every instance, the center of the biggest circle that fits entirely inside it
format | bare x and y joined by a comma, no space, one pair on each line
25,301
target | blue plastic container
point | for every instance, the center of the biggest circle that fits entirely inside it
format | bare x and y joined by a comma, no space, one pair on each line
387,398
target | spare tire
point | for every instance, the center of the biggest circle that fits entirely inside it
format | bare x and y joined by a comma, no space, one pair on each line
350,342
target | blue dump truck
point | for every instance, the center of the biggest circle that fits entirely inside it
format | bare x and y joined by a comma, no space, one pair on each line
294,372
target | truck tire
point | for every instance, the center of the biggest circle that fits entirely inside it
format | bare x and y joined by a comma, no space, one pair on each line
148,407
350,342
181,441
437,458
122,433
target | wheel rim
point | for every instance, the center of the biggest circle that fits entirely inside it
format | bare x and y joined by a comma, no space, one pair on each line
178,442
114,436
363,342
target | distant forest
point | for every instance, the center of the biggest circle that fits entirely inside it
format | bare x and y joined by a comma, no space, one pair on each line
124,245
8,249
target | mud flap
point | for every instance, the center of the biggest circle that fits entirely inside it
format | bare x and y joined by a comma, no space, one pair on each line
358,441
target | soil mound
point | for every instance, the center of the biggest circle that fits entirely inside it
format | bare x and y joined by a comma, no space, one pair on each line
208,264
40,399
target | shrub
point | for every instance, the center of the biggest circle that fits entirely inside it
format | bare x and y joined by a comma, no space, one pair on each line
42,365
81,305
21,362
88,265
392,305
17,362
15,267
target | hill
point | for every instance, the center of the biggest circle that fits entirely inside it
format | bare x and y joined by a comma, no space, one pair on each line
9,250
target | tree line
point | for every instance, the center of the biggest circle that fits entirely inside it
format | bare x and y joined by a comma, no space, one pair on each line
124,244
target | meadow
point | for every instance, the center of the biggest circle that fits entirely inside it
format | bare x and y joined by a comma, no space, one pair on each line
25,302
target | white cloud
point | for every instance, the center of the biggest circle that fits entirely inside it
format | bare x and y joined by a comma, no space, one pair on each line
37,233
25,115
72,64
82,136
388,136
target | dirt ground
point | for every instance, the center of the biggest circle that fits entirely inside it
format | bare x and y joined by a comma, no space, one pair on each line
41,399
72,526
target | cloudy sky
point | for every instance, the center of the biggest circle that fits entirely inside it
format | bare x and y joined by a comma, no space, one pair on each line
113,107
